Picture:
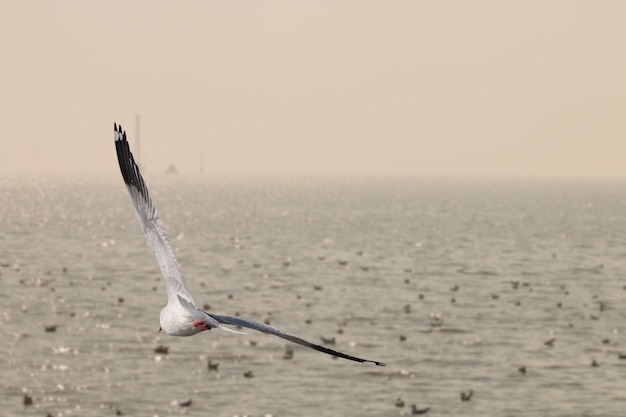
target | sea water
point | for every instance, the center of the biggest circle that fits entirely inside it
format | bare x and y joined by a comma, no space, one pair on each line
455,284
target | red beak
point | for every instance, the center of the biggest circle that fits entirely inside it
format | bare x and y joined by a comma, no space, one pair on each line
160,329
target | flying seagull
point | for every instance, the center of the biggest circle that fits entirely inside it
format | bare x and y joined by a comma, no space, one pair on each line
181,317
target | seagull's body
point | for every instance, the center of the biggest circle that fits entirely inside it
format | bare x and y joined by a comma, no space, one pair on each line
181,317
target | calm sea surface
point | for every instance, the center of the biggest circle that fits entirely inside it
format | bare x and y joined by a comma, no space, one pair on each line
454,284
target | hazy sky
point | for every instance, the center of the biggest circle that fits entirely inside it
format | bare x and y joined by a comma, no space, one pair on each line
531,88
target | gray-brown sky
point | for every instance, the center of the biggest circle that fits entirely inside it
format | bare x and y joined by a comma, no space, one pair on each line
494,88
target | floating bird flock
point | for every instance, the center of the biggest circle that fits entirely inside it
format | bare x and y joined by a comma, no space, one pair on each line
181,317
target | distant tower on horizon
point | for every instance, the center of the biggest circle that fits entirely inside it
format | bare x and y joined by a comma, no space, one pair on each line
137,141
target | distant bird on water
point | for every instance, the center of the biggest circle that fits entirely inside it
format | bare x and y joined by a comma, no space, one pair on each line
415,410
212,366
550,342
467,395
186,403
164,350
181,317
288,353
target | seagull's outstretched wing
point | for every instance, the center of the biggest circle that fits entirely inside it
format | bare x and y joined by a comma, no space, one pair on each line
264,328
149,220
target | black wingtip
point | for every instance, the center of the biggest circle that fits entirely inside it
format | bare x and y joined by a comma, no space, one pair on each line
117,132
129,169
